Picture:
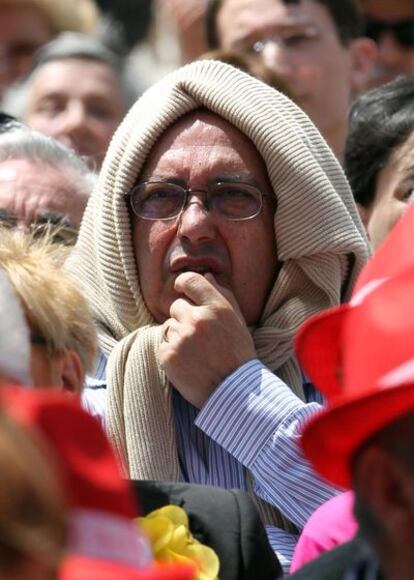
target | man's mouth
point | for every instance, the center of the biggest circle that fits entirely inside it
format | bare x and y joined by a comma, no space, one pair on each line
200,266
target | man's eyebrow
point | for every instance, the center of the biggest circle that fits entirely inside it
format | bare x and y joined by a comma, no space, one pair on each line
234,178
216,178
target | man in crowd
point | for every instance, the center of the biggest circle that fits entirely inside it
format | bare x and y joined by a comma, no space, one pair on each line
201,252
76,93
379,155
42,183
25,25
313,45
391,24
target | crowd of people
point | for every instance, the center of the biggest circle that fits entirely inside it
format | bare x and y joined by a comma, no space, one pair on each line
206,279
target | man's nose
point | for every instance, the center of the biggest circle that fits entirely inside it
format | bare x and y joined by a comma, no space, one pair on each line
196,223
74,119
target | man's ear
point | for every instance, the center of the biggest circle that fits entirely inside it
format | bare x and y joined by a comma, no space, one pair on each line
363,52
72,372
385,487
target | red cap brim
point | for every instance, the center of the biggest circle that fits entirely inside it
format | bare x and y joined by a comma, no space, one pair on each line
331,438
82,568
318,347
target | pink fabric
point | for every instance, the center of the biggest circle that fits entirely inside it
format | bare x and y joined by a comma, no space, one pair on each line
329,526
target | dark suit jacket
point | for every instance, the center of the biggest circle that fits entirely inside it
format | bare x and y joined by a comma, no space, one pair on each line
225,520
333,564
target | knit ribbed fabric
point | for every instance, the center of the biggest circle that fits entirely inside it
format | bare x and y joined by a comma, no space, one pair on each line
320,242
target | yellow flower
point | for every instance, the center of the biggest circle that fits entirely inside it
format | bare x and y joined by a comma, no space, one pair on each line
168,531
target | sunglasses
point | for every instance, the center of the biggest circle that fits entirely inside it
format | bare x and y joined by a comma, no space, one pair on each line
402,30
55,228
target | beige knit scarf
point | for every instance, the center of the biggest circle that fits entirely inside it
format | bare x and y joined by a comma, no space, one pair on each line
320,242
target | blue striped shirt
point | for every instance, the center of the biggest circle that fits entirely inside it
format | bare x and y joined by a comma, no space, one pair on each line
252,421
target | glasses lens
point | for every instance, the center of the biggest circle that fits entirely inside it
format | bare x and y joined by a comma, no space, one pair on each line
404,33
57,234
373,29
6,220
157,200
235,201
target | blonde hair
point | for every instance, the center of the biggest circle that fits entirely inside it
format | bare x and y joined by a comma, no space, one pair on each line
54,307
33,525
77,15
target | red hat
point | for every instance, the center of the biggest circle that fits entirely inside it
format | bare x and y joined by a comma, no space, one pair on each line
361,357
104,542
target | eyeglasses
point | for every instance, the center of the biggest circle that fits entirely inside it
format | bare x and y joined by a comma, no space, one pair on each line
402,30
55,228
160,200
38,339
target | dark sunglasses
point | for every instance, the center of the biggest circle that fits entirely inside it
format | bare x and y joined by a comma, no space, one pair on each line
402,30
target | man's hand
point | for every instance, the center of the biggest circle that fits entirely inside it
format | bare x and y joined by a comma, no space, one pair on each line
205,339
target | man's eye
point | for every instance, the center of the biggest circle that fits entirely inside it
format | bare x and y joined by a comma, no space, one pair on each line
101,112
49,108
295,40
160,194
409,196
236,194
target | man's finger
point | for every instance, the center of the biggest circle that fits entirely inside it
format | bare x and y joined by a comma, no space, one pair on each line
204,290
180,308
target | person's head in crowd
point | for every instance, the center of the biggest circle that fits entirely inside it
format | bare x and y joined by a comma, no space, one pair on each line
314,45
102,541
366,373
252,64
188,17
379,155
75,92
26,25
42,183
62,332
390,23
201,203
14,337
33,526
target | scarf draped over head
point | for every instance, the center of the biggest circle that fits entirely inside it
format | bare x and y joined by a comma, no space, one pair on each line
320,243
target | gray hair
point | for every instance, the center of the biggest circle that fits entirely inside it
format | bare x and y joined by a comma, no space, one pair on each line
14,335
20,142
68,45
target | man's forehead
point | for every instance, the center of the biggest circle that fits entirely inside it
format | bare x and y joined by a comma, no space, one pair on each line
204,129
239,19
21,173
27,190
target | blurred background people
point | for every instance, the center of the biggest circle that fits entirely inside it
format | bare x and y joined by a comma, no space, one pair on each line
42,183
250,63
391,24
33,524
379,155
61,329
14,337
25,25
75,92
315,46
